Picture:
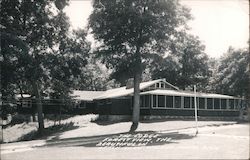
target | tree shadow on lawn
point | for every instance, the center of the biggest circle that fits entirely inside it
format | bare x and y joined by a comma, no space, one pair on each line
49,131
136,139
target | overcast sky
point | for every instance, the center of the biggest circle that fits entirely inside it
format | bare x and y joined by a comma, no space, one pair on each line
218,23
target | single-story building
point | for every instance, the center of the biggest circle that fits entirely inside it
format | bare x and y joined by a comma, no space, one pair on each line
157,97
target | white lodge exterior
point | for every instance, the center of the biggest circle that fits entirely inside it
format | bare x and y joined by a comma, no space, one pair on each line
159,97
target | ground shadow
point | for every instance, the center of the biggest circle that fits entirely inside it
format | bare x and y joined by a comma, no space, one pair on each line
136,139
105,123
49,131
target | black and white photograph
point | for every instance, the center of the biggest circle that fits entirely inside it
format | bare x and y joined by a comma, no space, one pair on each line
124,79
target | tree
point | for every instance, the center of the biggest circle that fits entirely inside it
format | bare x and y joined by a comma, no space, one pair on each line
53,55
232,73
93,77
186,65
24,20
130,32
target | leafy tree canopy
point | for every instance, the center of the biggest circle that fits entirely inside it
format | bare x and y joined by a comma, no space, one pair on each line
186,65
232,73
125,28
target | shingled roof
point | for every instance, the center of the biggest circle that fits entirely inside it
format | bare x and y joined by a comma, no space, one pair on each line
116,92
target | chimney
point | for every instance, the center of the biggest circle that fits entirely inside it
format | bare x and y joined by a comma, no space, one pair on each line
130,83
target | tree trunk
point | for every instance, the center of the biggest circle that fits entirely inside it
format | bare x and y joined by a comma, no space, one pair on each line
137,81
136,103
39,107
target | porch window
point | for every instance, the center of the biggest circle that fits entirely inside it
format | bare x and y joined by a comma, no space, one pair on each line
169,101
216,103
209,103
237,103
223,104
161,101
186,102
201,103
231,103
145,101
154,101
197,102
177,102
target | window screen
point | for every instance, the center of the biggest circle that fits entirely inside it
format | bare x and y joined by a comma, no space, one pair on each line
169,101
186,102
201,103
231,103
177,101
209,103
161,101
216,103
223,104
154,101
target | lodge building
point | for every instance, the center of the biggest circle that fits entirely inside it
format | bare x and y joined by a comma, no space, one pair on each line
157,97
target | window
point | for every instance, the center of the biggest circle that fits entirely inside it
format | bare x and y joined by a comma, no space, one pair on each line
197,102
162,85
154,101
145,101
216,103
169,101
82,105
157,85
108,101
237,103
201,103
26,103
177,102
142,101
186,102
209,103
76,104
231,103
223,104
161,101
101,102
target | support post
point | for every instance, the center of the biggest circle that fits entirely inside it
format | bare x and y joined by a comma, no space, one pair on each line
195,109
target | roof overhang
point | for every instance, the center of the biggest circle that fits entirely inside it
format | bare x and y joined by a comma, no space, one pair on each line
187,94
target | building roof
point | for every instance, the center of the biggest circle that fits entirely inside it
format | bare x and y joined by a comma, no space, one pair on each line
122,91
187,94
86,95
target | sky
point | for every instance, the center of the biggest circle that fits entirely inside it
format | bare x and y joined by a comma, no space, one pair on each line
218,23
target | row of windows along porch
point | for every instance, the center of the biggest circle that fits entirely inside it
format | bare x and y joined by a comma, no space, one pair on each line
180,102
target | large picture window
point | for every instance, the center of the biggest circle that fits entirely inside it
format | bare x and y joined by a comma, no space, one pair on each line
169,101
209,103
177,102
186,102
